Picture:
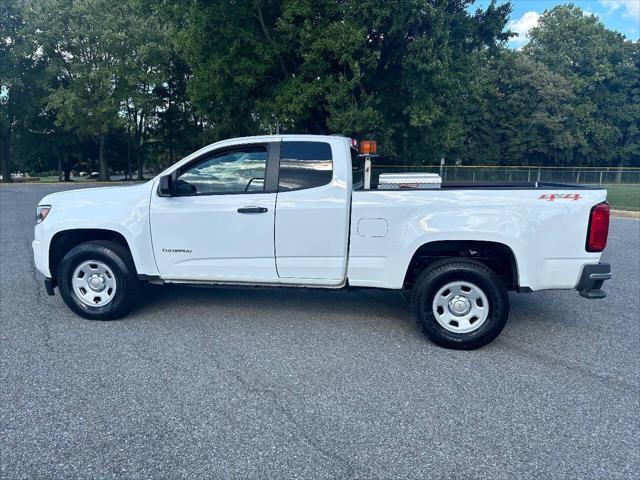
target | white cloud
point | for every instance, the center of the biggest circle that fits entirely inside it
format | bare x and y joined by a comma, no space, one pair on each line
631,7
522,27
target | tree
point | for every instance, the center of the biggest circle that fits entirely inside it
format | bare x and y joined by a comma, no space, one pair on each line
603,69
85,43
520,113
143,71
14,70
425,62
177,131
389,69
143,82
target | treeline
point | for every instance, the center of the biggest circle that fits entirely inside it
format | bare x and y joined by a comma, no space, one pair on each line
134,85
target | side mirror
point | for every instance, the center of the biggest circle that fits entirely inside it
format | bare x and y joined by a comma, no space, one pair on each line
166,187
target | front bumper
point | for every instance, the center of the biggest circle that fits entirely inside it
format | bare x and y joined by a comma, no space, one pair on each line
41,260
40,257
591,280
49,285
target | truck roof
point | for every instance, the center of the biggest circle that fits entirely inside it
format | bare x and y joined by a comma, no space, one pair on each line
288,136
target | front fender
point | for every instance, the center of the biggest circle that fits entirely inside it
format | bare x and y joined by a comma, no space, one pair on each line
124,210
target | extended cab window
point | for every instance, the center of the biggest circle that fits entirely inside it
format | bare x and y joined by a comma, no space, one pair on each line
235,171
304,165
357,167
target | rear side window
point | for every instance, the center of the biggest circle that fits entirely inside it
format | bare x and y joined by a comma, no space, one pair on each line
304,165
357,167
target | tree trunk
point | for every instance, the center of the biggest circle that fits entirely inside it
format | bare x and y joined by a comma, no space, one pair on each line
67,166
140,175
140,161
60,168
171,148
139,134
104,169
139,155
128,152
260,17
5,155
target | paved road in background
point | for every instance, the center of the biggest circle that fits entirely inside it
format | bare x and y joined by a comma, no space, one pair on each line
233,383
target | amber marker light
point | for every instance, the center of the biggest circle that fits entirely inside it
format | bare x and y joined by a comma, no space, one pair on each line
368,147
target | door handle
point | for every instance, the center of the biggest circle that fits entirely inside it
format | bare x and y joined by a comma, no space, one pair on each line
252,210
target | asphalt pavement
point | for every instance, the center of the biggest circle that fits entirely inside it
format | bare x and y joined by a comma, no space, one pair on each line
273,383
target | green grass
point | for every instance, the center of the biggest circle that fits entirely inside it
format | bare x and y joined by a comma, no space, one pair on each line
49,179
624,197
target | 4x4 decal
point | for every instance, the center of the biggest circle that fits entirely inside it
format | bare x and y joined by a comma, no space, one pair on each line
560,196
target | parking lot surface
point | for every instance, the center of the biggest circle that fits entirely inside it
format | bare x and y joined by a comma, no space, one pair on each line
275,383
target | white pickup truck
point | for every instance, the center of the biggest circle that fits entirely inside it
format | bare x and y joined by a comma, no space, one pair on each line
295,211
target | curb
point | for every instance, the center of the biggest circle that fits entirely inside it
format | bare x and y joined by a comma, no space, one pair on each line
625,214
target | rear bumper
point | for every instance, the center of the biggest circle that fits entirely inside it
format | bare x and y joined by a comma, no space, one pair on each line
591,280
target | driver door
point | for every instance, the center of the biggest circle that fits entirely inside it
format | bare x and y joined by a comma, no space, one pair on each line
218,225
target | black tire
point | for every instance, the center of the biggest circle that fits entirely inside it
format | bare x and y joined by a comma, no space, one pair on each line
435,277
119,260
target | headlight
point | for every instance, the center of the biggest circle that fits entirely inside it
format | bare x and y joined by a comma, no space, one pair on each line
41,213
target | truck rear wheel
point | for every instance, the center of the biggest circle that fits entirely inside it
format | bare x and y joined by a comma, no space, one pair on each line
97,280
460,304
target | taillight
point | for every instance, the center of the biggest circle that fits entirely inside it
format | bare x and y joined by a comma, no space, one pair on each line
598,228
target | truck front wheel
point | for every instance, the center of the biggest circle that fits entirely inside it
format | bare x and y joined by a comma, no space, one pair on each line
460,304
97,280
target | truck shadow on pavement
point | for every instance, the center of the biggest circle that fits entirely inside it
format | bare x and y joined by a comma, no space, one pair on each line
267,303
355,306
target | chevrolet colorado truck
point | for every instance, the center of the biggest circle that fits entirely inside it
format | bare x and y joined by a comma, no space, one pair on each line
301,211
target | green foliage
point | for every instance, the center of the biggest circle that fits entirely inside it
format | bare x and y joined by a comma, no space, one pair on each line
141,83
603,70
521,113
85,45
379,68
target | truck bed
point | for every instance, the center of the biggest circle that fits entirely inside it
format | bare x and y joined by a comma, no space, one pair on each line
544,224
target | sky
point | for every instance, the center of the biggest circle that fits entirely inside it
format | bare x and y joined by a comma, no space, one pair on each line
620,15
